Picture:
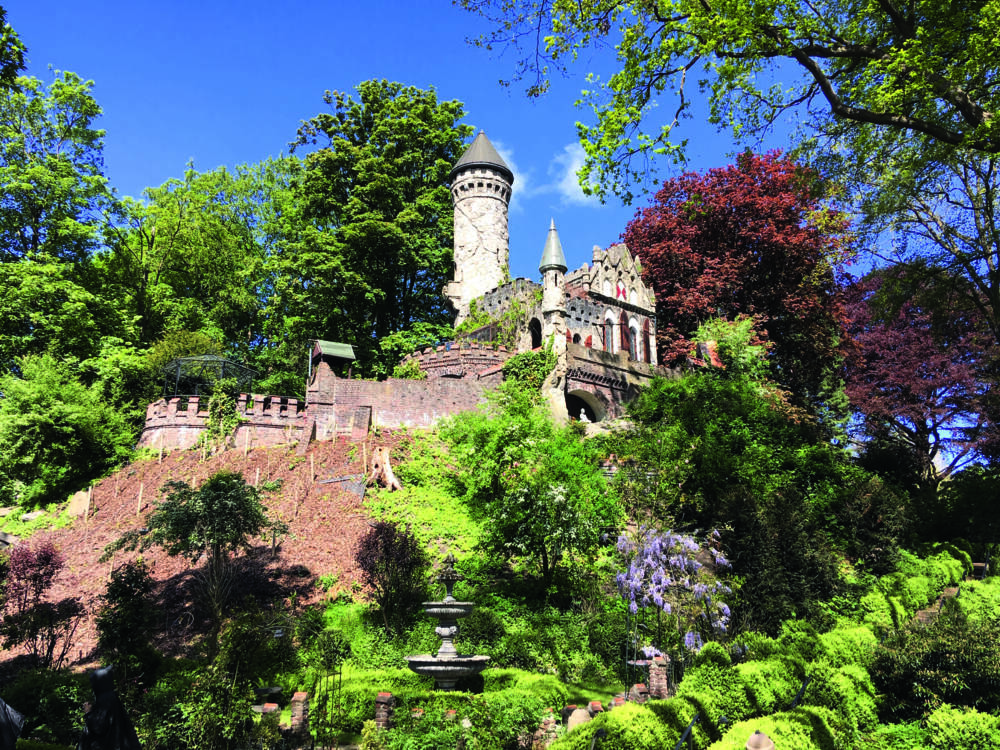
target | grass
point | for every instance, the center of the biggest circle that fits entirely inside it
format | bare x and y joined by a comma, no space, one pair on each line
427,502
55,517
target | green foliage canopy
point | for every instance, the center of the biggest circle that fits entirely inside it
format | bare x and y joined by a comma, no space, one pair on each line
873,74
55,432
51,169
536,487
375,245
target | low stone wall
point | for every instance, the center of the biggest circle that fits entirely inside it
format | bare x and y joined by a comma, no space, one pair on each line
403,403
177,422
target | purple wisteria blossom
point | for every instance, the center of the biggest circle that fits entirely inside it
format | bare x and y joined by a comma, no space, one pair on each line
664,573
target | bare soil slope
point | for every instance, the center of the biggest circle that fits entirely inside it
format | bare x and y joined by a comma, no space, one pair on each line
326,522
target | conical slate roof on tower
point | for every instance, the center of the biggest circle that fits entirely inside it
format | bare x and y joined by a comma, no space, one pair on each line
552,255
481,153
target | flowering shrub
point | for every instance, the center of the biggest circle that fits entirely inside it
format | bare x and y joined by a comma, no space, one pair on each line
664,572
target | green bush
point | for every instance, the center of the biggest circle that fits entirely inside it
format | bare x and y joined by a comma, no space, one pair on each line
628,727
848,644
770,685
979,601
910,736
848,691
883,613
51,702
951,728
23,744
952,661
804,728
715,653
718,690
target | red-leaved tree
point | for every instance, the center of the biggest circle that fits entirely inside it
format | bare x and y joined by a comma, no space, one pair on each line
915,374
750,239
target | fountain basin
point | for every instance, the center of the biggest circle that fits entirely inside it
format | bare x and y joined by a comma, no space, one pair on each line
446,671
448,610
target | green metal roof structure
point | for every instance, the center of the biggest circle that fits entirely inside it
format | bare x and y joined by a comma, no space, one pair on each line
334,349
552,255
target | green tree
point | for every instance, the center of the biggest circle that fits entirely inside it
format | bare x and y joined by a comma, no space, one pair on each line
193,254
55,433
11,53
536,487
873,75
52,186
374,247
44,307
724,448
217,519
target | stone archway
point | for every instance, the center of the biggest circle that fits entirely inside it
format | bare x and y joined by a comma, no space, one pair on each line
580,402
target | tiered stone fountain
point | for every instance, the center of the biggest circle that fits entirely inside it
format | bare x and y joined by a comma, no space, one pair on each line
447,666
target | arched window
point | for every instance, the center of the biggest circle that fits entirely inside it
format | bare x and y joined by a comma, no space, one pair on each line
626,338
535,327
608,332
647,343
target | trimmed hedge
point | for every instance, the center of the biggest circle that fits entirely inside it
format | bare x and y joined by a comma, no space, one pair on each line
804,728
951,728
628,727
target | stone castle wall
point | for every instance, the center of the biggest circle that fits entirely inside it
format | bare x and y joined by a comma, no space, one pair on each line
335,407
178,422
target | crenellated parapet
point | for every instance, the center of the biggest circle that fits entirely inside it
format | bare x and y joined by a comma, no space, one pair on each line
462,359
179,421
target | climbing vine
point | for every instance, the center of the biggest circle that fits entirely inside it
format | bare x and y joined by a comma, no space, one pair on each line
223,415
508,325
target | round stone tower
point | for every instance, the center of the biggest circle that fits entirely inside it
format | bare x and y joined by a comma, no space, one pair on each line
480,190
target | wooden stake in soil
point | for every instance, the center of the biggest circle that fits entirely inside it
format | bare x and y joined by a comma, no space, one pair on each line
161,449
256,479
312,467
90,495
138,505
246,442
364,456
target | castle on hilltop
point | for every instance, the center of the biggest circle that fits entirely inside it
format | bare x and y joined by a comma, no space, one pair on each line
599,320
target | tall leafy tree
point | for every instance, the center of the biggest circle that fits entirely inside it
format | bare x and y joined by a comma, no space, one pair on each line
722,448
44,307
536,486
915,373
52,186
752,240
11,53
374,249
871,75
55,432
192,256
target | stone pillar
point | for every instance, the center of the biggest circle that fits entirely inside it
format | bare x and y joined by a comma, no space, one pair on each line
659,680
300,714
384,706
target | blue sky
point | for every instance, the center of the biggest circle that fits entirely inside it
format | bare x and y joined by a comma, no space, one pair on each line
226,83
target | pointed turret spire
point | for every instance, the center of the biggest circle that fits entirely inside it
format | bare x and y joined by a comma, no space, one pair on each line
552,255
481,153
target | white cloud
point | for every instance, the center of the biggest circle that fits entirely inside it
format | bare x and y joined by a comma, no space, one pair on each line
524,187
563,170
562,180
